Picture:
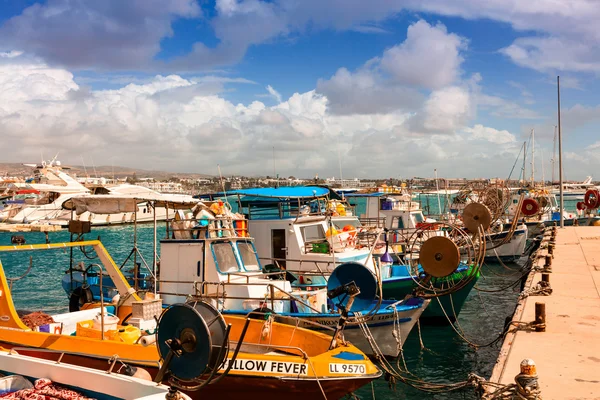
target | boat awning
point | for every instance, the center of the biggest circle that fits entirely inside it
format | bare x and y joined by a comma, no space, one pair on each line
284,192
111,204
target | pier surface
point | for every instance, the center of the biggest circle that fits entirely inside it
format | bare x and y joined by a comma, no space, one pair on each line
567,354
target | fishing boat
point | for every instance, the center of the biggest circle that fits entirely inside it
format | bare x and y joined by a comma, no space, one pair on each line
26,377
261,358
401,215
540,208
209,253
338,233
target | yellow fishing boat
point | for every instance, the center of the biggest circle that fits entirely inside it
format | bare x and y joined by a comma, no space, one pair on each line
264,359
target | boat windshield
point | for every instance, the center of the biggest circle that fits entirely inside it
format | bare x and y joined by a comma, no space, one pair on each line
312,233
248,255
418,217
225,258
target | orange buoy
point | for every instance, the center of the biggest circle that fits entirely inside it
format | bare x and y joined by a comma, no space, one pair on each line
530,207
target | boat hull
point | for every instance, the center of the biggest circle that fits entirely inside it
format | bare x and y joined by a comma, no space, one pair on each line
235,386
441,311
389,328
511,251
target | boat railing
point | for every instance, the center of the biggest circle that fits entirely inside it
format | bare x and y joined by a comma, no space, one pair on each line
217,227
321,267
378,222
218,292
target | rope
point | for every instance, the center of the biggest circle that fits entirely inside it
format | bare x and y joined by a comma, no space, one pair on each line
540,289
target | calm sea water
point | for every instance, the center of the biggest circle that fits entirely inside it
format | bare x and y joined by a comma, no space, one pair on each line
446,359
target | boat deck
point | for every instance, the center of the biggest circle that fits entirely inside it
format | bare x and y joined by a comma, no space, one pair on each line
567,354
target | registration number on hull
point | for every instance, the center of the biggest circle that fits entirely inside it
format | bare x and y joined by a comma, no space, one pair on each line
347,368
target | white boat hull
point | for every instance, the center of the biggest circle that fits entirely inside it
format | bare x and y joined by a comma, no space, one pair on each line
510,251
85,379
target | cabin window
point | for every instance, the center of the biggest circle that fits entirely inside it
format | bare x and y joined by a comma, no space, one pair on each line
399,223
419,217
515,201
249,256
225,257
312,233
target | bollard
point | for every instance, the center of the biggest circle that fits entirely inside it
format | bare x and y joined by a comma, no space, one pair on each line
551,249
546,277
540,317
548,263
527,381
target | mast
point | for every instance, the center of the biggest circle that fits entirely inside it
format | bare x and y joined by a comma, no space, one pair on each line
532,157
560,168
554,155
524,161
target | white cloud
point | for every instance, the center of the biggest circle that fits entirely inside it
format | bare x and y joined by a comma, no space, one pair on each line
480,132
274,93
447,110
365,92
429,57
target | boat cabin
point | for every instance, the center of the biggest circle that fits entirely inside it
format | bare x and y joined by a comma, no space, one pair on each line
395,212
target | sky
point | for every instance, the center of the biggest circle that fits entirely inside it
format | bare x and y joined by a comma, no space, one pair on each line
351,88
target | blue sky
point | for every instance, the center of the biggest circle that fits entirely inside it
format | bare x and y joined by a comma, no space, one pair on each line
390,88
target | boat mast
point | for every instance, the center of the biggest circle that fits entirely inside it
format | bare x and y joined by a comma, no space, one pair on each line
560,169
532,158
524,161
554,155
437,188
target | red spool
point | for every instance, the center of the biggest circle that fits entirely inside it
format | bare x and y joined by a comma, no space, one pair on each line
581,205
530,207
592,199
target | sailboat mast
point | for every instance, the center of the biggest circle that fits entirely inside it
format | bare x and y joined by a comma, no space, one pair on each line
554,155
560,169
532,157
524,161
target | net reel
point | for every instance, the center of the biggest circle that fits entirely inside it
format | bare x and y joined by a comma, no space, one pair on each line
447,259
351,287
495,198
193,342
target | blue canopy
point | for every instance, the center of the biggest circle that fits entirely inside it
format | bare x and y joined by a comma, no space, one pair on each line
284,192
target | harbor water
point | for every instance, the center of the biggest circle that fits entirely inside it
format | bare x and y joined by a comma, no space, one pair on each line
445,357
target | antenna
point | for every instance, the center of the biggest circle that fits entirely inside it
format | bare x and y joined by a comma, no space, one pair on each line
94,166
543,177
274,172
84,168
223,184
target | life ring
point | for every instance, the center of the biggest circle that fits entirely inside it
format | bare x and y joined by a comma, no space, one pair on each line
581,206
79,297
592,199
530,207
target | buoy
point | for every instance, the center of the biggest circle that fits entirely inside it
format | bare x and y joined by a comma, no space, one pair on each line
581,205
331,232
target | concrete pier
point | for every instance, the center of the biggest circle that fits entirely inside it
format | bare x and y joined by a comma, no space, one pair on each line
567,354
29,228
